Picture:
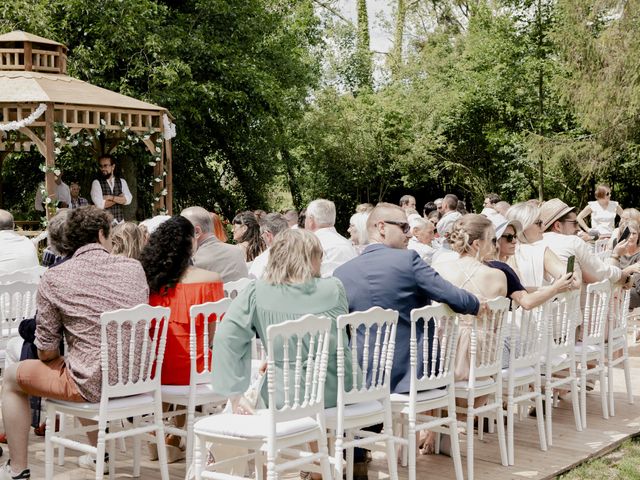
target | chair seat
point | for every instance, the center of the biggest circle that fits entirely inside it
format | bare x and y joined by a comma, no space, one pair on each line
464,384
617,342
420,396
590,348
519,372
556,360
355,410
114,404
250,426
177,393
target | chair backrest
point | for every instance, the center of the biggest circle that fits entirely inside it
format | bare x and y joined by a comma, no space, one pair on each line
562,315
596,309
132,350
618,319
29,275
204,313
377,328
438,351
487,340
17,303
526,337
232,289
305,344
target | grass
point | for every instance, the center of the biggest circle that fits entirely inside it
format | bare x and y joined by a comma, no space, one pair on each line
623,463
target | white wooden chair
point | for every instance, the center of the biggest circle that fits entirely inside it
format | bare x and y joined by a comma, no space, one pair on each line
485,376
590,350
295,415
601,247
432,383
558,358
29,275
617,343
131,355
199,391
232,289
17,303
366,402
521,379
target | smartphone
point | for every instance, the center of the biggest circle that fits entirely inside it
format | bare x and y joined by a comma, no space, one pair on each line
625,233
571,263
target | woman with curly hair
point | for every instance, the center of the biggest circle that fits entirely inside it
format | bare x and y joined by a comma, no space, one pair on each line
175,283
246,233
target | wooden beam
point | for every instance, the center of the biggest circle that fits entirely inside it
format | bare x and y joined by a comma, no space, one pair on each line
35,139
50,156
28,63
169,178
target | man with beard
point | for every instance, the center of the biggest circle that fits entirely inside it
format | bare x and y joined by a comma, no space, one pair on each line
109,192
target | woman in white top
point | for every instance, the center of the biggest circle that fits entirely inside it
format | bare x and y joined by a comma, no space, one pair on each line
603,212
535,264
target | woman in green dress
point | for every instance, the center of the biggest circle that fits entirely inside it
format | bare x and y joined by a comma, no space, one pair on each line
290,288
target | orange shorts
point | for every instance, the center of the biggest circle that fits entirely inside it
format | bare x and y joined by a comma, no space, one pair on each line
47,379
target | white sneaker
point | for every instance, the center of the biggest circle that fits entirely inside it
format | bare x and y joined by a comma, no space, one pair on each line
6,473
87,461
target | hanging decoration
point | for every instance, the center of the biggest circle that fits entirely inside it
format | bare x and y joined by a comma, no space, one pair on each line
25,122
169,127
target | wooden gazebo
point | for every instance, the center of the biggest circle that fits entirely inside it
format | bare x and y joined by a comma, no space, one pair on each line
36,94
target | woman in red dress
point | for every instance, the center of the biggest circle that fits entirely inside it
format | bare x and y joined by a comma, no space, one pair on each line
175,283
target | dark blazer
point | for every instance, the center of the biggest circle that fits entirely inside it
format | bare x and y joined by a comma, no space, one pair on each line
400,280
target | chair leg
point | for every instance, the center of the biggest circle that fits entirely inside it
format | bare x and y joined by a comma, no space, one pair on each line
137,450
540,420
575,404
612,406
101,448
405,449
412,447
350,456
392,461
48,445
501,436
583,397
338,452
199,457
470,417
627,377
112,458
510,420
481,427
259,464
455,443
189,431
271,460
60,433
162,449
603,391
325,465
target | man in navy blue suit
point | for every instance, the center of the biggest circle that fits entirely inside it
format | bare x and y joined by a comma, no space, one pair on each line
388,275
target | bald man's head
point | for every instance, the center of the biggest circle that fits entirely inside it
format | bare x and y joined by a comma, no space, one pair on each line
386,224
6,220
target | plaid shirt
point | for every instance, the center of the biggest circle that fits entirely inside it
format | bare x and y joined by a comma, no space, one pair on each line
80,202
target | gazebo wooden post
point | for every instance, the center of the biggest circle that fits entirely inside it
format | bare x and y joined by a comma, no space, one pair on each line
50,156
168,180
3,155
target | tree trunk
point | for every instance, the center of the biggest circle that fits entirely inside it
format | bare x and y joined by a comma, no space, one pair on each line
396,58
364,47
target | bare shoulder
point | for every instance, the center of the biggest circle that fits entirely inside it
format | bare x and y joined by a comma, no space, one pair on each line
200,275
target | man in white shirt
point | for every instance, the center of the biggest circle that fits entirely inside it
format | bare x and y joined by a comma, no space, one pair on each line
16,252
320,219
408,202
108,191
62,195
270,226
560,225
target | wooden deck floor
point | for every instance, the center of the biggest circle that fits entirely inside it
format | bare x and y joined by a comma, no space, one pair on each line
570,447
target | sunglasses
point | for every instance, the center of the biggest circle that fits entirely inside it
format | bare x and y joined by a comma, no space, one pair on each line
494,240
608,194
403,225
509,237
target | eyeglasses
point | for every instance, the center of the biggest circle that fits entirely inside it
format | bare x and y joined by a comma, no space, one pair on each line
509,237
575,222
403,225
608,194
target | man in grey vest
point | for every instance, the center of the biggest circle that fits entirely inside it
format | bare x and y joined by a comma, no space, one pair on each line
108,191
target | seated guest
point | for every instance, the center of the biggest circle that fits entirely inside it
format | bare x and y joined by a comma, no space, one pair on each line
408,202
473,237
292,218
212,254
506,233
290,288
388,275
174,283
630,256
128,240
428,208
533,261
272,224
55,251
501,207
422,234
246,234
16,251
76,200
320,219
218,228
104,282
358,230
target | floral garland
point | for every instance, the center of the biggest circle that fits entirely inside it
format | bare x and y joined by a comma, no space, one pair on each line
25,122
169,127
